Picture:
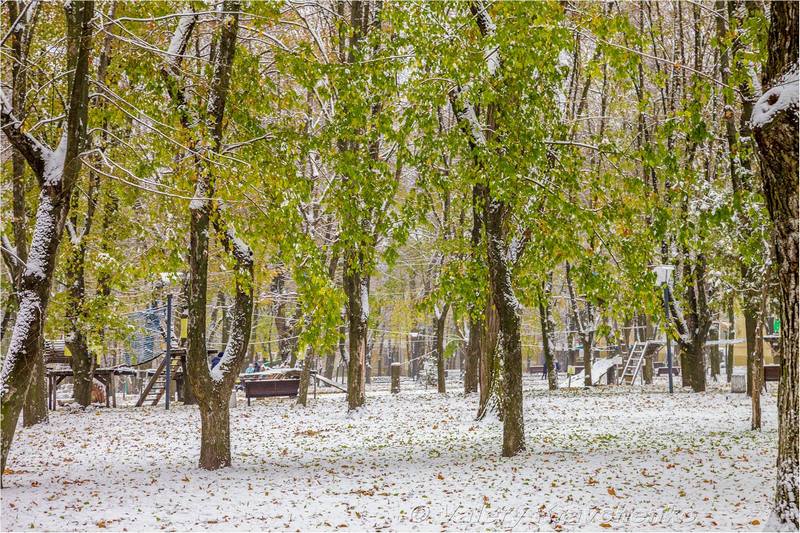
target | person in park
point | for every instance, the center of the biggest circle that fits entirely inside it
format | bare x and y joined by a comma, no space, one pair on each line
249,369
216,359
256,367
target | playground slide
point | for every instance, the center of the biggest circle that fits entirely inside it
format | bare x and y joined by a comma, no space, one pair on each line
327,381
599,369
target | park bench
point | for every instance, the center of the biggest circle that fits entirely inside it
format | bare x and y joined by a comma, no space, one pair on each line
270,388
536,369
664,371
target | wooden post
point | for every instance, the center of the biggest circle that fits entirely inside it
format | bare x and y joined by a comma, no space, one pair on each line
396,378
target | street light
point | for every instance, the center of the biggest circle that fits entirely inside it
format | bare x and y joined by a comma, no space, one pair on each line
663,275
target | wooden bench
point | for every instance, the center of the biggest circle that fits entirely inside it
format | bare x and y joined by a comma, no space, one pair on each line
270,388
536,369
664,371
772,373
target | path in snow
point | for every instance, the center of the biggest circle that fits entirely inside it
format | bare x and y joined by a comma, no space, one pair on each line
613,456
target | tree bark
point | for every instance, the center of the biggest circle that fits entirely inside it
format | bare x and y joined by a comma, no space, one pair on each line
777,141
34,410
212,388
488,355
305,378
56,172
476,326
477,323
508,312
215,435
356,287
439,323
547,326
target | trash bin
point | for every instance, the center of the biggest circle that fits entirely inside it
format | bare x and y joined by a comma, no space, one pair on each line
739,383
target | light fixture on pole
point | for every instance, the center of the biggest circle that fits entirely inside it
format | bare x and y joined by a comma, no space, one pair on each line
663,276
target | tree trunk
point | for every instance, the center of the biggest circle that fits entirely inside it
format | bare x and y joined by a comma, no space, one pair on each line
476,327
477,323
729,347
330,362
777,140
34,410
212,388
488,353
356,287
57,178
750,323
215,435
508,313
546,321
305,378
758,379
439,323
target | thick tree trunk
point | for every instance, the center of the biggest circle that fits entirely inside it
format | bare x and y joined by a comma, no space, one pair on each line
330,362
356,287
508,312
82,369
57,178
476,327
439,324
775,127
212,387
34,410
215,434
305,378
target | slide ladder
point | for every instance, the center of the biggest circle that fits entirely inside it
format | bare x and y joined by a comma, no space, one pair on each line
633,363
154,390
636,356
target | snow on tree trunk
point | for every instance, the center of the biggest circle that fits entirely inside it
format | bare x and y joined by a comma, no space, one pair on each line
56,172
775,123
508,312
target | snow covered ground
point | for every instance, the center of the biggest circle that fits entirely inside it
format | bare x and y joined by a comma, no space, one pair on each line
615,457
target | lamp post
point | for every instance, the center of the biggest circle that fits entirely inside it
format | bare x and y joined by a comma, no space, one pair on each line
663,274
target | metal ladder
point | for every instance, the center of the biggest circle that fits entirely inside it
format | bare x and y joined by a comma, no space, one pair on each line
633,364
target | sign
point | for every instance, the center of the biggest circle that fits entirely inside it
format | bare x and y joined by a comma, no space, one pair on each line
570,370
776,326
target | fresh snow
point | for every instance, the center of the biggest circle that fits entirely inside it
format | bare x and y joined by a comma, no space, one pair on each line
43,233
599,369
615,458
782,96
30,305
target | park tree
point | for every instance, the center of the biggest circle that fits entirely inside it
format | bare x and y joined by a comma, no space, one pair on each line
56,171
775,126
